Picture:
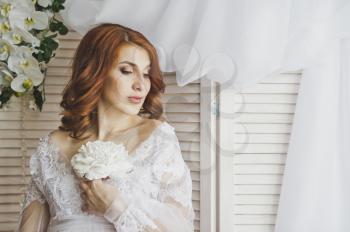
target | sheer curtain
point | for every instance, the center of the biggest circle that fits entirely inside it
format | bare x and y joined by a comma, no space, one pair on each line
240,42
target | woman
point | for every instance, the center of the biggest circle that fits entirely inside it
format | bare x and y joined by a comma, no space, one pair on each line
113,95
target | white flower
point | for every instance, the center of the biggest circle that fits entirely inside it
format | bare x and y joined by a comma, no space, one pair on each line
4,26
5,75
44,3
21,60
5,49
17,35
99,159
27,18
32,105
23,83
5,9
29,4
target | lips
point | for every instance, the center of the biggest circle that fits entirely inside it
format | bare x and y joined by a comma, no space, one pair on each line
135,99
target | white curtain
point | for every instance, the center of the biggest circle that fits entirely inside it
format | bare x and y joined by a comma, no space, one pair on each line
240,42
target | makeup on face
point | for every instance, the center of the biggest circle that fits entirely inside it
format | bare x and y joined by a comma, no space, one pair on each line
127,70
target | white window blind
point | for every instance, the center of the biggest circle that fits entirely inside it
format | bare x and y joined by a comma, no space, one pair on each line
262,126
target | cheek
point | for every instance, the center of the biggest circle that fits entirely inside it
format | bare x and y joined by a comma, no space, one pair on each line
113,88
148,85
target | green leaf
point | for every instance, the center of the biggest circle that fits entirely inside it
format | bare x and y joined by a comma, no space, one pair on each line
53,26
63,30
6,94
39,101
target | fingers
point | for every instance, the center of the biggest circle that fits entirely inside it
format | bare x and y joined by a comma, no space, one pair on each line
94,183
87,203
83,195
84,185
86,208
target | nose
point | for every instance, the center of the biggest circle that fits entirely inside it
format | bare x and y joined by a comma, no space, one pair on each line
139,83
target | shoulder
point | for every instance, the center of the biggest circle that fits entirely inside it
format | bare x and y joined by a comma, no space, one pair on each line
163,126
59,138
54,141
42,153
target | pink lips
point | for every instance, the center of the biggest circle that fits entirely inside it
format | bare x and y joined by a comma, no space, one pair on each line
135,99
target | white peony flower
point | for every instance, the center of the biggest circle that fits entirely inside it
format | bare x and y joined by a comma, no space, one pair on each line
100,159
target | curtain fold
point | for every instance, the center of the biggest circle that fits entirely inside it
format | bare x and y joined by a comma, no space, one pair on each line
315,189
236,43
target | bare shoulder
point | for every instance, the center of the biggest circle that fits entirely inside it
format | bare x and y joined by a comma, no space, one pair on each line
148,127
60,139
153,124
157,122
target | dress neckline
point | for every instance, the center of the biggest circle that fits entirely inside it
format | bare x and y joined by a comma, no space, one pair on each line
132,155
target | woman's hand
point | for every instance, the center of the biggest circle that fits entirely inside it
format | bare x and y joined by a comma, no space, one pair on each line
98,196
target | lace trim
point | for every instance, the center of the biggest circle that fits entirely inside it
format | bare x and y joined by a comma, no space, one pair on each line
133,219
32,194
53,175
147,143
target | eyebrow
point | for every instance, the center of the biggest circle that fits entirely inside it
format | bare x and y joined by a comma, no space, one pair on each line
132,64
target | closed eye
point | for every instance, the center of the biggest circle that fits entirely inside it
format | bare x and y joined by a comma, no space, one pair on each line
126,72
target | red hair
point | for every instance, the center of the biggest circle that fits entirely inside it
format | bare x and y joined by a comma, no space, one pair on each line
93,59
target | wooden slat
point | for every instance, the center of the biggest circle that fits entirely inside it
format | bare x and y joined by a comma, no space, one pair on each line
263,121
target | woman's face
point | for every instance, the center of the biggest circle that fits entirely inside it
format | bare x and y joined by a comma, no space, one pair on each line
128,82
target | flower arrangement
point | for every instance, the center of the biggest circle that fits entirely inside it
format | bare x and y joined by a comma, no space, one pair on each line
101,159
28,30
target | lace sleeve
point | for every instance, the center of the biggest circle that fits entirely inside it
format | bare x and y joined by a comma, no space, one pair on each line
34,213
172,210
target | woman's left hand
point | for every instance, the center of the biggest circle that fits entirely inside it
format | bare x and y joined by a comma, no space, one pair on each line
97,195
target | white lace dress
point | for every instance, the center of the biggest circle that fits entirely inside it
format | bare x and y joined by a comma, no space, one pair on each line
155,203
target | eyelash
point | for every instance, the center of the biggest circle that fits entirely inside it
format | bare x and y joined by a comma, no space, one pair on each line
128,72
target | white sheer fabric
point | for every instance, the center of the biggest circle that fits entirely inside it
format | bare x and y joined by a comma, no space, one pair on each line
158,192
232,42
315,193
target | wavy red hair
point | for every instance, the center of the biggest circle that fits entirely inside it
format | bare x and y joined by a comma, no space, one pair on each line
93,59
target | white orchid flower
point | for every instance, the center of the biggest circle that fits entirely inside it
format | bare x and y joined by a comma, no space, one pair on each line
29,4
22,60
4,26
5,9
5,49
24,82
27,19
49,14
44,3
5,75
8,5
17,35
32,105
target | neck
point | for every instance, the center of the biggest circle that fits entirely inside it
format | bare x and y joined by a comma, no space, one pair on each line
111,121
